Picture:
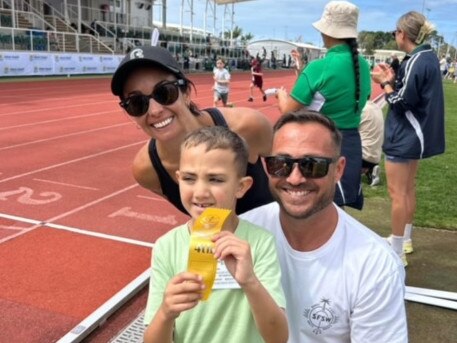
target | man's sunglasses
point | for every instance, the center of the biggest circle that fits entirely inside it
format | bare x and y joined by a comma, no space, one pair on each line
165,93
310,167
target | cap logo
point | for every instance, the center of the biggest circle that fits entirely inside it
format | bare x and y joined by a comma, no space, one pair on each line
136,53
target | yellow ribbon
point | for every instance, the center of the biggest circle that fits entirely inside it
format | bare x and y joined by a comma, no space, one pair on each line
201,250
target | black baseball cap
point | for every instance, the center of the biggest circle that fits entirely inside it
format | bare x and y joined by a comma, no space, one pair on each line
142,56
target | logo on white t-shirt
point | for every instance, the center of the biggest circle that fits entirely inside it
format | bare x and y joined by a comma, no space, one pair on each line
320,316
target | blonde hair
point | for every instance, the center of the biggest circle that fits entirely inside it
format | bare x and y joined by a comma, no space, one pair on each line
416,27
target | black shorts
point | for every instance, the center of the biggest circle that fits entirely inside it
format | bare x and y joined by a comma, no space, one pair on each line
257,82
349,189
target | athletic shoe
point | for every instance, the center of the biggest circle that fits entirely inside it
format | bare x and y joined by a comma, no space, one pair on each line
271,91
250,99
265,97
375,178
407,245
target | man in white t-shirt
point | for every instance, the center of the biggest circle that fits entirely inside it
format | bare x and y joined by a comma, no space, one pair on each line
343,283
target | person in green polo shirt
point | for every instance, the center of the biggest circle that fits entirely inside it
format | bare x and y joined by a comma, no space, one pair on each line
338,86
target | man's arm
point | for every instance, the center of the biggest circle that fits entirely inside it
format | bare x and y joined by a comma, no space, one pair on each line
379,315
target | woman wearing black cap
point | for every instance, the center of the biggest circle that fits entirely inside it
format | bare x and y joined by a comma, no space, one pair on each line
157,95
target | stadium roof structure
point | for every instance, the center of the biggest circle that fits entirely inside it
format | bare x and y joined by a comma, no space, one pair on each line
211,6
225,2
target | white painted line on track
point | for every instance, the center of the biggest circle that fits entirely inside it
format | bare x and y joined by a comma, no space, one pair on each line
20,219
100,235
62,136
152,198
67,184
71,161
95,202
65,107
37,223
54,120
13,228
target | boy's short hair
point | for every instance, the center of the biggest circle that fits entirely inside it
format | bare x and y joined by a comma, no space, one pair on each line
220,137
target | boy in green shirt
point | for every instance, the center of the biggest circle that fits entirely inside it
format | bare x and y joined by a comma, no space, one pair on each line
247,301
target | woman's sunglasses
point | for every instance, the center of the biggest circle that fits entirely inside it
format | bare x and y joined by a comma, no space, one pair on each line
310,167
165,93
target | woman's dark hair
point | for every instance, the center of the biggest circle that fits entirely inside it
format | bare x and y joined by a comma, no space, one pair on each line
352,42
187,88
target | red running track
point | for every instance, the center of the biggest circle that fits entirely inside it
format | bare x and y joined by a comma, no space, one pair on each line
65,163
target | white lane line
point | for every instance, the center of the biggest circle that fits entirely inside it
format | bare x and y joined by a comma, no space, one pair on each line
65,107
152,198
67,184
72,161
20,219
14,228
37,224
89,204
54,120
100,235
62,136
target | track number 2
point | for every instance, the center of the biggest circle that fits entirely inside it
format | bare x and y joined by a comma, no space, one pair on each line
25,196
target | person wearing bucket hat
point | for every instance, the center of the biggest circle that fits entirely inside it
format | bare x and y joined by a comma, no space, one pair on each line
415,123
337,86
156,95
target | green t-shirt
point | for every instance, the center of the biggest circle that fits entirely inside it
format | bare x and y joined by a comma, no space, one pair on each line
328,86
226,315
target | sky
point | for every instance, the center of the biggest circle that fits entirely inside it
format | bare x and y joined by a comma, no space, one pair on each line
290,19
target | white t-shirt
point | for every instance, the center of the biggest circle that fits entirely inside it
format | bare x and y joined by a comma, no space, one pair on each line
371,131
443,64
351,289
224,75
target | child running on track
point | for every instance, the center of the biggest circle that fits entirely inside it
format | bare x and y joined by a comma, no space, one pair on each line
247,301
221,83
257,79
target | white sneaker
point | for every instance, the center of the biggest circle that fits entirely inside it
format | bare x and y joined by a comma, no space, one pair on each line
375,176
271,91
407,244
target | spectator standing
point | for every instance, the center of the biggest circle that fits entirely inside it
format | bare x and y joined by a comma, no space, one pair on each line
342,282
328,86
257,79
300,60
247,301
372,134
221,83
414,124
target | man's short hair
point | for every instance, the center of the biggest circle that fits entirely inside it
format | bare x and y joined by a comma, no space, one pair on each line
220,137
305,116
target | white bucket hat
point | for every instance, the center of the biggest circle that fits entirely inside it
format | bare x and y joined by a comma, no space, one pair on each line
339,20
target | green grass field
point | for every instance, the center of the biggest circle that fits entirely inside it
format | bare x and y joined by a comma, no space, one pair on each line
436,183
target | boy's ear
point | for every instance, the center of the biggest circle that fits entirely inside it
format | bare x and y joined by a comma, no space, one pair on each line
244,185
177,174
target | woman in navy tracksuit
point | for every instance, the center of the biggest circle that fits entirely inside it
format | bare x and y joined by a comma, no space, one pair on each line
415,122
